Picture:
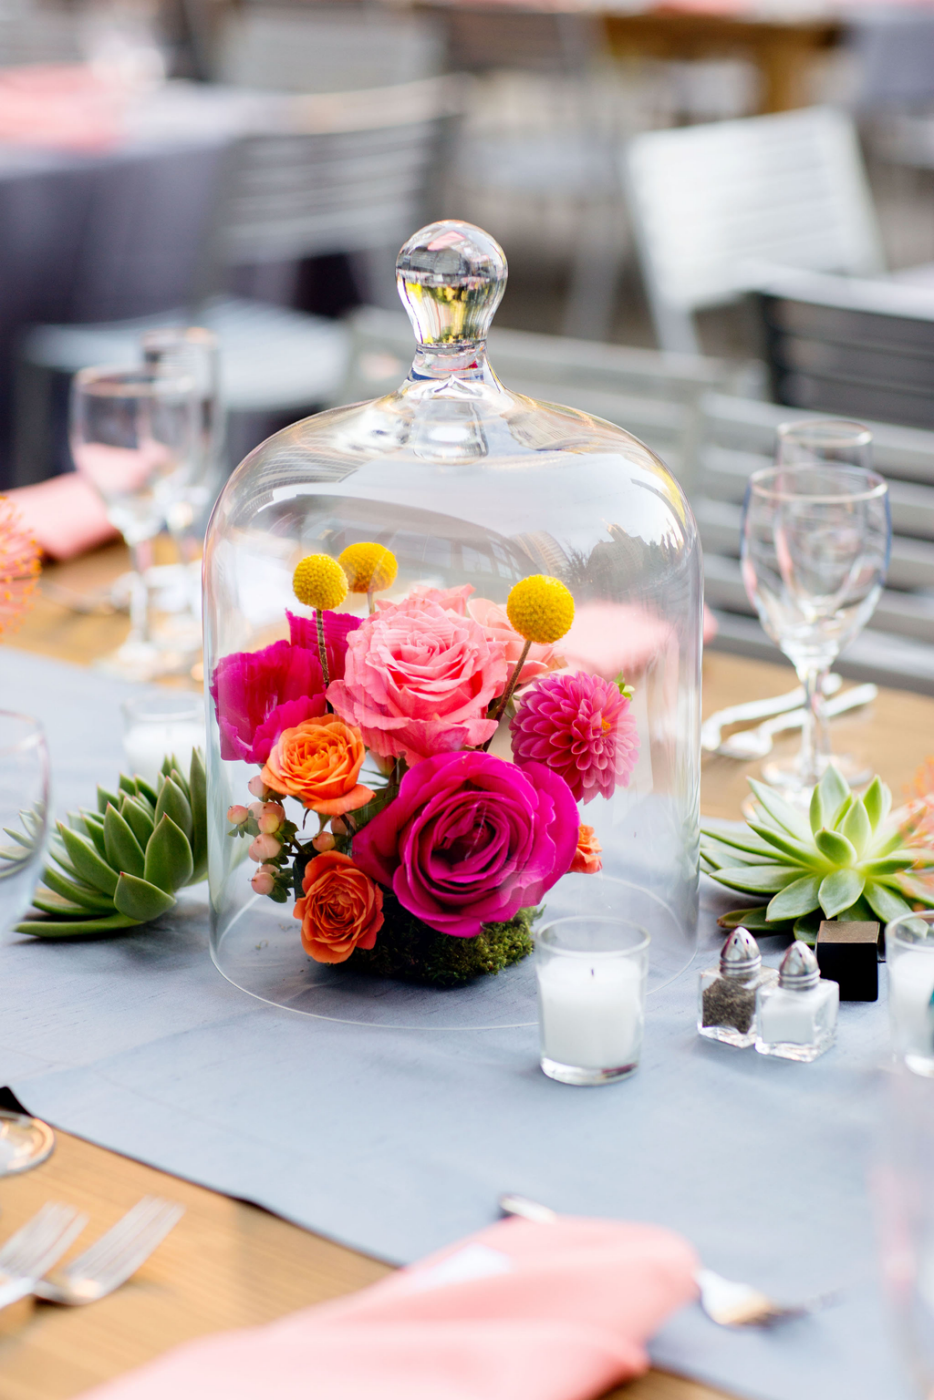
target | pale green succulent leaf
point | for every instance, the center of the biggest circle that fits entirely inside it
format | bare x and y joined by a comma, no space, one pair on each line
916,891
756,879
753,919
76,891
885,903
126,784
834,789
839,890
816,812
719,854
146,791
807,927
75,928
168,856
140,900
173,802
781,811
103,797
94,826
742,840
874,801
123,850
857,828
88,864
198,799
795,899
139,819
835,846
887,865
798,852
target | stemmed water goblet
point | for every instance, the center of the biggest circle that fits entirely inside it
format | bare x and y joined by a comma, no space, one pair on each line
135,437
815,549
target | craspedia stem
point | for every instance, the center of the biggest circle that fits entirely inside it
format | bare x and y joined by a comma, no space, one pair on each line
322,649
508,692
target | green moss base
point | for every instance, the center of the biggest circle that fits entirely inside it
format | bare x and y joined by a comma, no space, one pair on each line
410,951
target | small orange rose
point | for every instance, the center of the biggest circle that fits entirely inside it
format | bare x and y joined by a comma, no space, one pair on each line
319,762
587,856
342,908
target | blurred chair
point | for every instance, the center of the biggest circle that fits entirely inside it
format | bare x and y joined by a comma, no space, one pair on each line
738,438
355,178
710,204
850,346
653,395
326,49
563,148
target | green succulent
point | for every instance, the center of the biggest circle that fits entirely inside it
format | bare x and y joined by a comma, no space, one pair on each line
120,866
844,859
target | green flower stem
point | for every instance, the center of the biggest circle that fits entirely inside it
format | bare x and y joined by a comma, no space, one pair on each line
508,692
322,650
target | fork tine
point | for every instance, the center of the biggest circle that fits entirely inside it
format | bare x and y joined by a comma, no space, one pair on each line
123,1266
34,1234
42,1241
98,1254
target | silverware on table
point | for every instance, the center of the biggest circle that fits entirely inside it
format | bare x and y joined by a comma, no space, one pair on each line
749,744
727,1303
713,727
34,1249
112,1259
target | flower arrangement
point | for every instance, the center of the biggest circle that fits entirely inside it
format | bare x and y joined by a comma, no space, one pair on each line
19,566
844,859
431,854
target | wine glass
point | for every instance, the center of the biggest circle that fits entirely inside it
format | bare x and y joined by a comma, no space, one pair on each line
192,352
24,813
815,549
134,436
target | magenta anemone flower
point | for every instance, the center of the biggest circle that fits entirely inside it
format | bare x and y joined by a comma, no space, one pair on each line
258,694
303,632
581,727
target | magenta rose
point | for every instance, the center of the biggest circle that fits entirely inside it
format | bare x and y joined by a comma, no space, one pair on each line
471,839
418,680
258,694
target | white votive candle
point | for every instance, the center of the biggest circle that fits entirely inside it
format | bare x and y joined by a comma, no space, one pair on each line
591,999
158,726
911,987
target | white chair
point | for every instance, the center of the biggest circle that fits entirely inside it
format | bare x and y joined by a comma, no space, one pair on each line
738,438
710,204
355,177
653,395
325,49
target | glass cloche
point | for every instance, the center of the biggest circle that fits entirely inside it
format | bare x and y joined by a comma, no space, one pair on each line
453,643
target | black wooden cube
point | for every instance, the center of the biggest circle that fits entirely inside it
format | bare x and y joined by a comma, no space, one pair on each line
847,952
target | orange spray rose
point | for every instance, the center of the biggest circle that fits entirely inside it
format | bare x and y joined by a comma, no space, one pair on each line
319,762
342,908
587,856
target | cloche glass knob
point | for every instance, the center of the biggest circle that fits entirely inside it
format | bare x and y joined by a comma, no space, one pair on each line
451,278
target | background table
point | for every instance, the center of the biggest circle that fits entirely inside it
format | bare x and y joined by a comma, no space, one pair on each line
229,1264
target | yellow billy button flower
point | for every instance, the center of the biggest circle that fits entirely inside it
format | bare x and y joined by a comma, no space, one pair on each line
369,567
320,582
541,609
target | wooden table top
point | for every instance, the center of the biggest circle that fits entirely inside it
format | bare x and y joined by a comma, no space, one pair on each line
229,1264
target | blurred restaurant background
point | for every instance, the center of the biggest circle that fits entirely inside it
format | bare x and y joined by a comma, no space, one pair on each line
718,214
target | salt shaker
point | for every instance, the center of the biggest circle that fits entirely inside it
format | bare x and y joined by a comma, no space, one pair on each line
726,995
797,1018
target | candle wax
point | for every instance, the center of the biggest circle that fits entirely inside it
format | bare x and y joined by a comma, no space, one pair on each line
146,745
911,985
590,1011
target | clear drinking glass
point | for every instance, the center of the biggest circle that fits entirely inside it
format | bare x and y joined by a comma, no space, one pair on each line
909,957
154,726
24,813
591,975
134,435
815,549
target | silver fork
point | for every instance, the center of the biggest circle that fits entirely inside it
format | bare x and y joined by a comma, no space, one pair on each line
713,727
727,1303
33,1250
112,1259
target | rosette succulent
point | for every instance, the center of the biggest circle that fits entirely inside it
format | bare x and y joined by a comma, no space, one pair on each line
843,859
120,866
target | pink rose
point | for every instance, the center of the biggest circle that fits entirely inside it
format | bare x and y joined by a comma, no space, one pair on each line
492,618
418,681
454,599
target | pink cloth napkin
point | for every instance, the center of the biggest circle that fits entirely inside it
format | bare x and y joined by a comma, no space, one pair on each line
65,514
65,106
539,1311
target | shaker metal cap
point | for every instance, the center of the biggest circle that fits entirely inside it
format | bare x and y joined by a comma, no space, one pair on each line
799,970
740,956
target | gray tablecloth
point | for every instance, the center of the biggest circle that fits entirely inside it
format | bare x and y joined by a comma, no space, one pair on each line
397,1142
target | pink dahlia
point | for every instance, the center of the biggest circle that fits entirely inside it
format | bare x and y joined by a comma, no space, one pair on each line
581,727
418,680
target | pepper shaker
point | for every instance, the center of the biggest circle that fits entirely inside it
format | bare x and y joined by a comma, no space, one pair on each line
726,996
797,1017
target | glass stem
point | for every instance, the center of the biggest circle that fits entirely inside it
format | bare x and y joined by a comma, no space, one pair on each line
815,739
141,556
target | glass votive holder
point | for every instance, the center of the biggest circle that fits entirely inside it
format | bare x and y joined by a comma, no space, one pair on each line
909,958
591,975
161,723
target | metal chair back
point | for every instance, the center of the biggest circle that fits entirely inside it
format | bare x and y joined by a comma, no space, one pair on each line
710,204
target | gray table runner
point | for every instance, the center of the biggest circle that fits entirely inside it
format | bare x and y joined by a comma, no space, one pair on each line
398,1142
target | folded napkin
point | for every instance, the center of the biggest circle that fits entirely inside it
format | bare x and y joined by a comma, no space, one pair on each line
64,106
65,514
556,1311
